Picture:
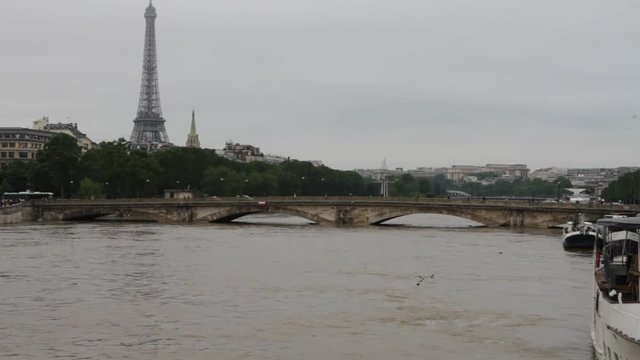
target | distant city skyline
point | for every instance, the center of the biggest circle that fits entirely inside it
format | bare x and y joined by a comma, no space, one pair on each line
350,83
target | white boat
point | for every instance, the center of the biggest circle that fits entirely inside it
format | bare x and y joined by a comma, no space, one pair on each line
578,236
615,329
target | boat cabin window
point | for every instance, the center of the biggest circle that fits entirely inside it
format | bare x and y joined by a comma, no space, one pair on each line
617,250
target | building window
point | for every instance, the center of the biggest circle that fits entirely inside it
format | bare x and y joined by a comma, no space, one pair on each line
3,155
12,145
11,154
23,155
23,145
4,145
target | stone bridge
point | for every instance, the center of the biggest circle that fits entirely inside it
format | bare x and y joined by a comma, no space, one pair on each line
322,211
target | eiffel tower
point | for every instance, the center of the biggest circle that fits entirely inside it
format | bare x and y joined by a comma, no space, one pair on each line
148,126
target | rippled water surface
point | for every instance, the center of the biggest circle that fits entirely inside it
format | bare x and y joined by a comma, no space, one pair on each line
151,291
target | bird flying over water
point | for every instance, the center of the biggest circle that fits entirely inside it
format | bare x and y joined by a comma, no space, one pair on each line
422,278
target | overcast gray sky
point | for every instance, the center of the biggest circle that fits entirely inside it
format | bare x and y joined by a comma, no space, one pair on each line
348,82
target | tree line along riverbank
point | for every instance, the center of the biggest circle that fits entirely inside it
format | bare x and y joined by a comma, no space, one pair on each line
115,170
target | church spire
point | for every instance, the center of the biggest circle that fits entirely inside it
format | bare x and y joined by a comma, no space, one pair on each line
193,124
192,138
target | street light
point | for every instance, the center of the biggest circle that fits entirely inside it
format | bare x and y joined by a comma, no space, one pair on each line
633,189
146,188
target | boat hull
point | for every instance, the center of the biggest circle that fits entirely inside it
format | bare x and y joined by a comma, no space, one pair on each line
617,346
579,241
608,342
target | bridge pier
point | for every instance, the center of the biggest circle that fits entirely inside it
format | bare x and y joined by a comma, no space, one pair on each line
184,214
516,218
344,216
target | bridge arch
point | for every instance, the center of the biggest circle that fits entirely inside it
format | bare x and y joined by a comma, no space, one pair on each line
394,213
229,214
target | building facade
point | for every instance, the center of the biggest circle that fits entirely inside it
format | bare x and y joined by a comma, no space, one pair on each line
548,174
598,178
506,171
21,144
515,170
241,153
70,129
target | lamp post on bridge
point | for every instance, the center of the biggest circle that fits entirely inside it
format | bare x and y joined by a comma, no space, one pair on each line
70,188
633,189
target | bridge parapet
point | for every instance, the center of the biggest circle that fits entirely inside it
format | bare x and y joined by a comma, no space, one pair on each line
323,210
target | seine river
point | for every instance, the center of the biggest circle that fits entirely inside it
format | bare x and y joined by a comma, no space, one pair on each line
290,291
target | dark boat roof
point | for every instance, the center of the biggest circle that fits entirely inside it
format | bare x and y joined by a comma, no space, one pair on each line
625,223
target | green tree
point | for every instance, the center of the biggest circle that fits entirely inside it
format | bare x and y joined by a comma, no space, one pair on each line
115,169
4,185
405,185
121,170
60,159
563,182
626,188
18,175
222,181
90,189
